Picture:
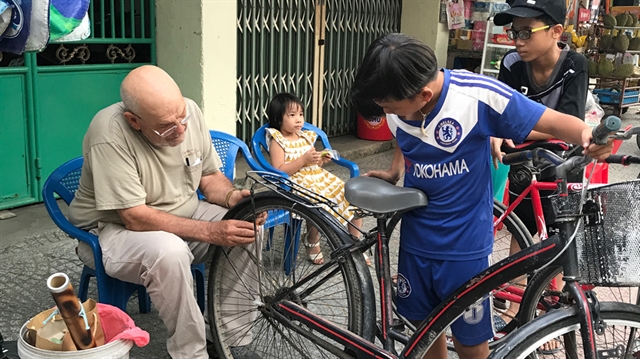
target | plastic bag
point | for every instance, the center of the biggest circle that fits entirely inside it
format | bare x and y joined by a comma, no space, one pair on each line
455,14
593,111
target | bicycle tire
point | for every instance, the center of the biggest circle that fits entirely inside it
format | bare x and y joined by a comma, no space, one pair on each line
341,299
538,298
510,226
563,325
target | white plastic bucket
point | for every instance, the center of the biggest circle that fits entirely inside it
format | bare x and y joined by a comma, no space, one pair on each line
118,349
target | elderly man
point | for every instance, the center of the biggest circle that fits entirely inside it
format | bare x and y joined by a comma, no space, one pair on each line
144,159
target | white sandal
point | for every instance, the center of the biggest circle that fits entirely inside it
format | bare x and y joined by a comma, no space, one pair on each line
315,256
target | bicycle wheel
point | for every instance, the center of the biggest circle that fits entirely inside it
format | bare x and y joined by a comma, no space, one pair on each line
244,279
510,227
540,298
620,339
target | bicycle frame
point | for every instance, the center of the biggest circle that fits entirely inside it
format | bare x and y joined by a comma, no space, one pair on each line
513,293
474,291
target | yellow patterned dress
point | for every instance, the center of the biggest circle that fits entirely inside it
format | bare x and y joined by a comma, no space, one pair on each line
313,177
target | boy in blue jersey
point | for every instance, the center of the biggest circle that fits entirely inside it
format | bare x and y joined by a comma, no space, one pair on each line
442,121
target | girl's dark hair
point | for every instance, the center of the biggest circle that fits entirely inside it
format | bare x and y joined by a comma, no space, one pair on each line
395,67
278,106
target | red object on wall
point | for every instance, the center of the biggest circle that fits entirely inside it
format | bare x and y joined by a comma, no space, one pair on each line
584,15
601,170
373,129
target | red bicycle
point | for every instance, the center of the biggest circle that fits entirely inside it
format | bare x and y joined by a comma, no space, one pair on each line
551,296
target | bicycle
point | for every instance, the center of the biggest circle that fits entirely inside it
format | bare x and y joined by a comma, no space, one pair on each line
598,323
533,187
290,303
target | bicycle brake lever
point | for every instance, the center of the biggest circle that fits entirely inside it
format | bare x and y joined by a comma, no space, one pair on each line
625,135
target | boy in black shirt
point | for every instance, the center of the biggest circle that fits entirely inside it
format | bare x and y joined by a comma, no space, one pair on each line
544,70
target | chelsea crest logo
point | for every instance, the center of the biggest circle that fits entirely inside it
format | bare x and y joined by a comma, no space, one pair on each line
404,288
448,132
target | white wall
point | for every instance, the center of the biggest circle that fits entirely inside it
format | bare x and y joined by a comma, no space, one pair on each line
179,44
420,19
196,45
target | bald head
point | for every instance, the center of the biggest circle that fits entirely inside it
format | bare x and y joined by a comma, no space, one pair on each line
150,91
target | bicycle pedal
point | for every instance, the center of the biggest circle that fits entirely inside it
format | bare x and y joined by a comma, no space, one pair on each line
398,325
499,303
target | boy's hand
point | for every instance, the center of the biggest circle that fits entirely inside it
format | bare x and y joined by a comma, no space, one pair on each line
496,152
595,151
383,175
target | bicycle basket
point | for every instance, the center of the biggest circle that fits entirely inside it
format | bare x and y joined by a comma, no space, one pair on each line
608,243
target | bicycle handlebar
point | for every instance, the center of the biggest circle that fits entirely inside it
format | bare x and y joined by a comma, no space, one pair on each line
600,136
536,154
624,160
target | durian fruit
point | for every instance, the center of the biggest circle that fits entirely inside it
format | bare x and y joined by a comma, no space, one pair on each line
629,19
593,68
634,44
621,19
621,43
606,42
624,70
605,68
609,20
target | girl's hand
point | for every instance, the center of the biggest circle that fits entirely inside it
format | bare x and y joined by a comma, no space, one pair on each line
325,158
312,157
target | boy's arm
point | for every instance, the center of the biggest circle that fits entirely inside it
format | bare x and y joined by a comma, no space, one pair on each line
571,129
392,175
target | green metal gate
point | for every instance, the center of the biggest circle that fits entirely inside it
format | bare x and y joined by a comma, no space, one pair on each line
350,27
49,98
310,48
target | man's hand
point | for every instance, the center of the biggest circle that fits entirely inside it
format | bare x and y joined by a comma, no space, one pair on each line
237,196
231,232
595,151
496,152
384,175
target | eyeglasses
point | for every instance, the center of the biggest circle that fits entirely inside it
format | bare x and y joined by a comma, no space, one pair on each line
172,129
524,34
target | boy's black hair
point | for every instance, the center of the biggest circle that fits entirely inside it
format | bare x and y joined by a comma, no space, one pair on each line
395,67
278,106
547,20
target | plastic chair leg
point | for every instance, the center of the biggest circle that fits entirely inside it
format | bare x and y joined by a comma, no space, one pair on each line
291,246
144,301
198,276
85,278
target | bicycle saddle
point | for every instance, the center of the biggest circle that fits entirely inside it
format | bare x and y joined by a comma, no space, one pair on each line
381,197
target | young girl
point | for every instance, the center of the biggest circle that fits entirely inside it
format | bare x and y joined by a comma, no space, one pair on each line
292,150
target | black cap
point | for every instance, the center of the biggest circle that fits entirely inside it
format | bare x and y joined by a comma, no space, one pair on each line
533,8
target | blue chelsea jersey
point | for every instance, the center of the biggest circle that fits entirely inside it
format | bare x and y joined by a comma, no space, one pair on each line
451,164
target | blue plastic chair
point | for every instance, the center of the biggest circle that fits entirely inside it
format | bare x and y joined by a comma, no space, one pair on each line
64,182
259,146
227,147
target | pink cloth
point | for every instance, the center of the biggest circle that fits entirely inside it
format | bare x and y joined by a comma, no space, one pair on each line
117,324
